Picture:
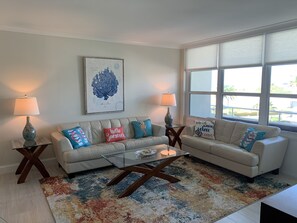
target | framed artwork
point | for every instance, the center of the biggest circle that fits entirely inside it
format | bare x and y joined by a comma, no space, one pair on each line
104,84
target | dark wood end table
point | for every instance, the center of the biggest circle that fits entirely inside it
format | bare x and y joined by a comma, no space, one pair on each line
31,157
173,133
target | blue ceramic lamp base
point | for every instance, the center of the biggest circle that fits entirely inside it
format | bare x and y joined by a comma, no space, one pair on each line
29,133
168,118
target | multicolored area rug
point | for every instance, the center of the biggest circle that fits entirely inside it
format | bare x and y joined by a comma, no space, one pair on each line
205,193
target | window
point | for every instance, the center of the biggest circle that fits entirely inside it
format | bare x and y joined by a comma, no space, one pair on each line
206,80
244,80
203,91
241,107
241,93
252,79
283,98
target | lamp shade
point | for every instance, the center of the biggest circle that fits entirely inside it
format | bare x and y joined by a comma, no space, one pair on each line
26,106
168,99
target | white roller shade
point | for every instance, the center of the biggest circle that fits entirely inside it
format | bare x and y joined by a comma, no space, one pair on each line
202,57
281,46
242,52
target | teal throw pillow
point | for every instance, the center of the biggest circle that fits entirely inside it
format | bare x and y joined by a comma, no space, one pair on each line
77,137
142,128
250,137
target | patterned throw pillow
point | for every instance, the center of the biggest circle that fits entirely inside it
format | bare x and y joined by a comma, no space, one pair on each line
250,137
142,128
114,134
77,137
204,129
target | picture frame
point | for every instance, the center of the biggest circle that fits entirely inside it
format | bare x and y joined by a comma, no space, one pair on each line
104,84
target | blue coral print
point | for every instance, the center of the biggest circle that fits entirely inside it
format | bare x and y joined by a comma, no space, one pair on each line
105,84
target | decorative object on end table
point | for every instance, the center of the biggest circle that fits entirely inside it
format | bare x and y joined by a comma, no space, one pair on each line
104,84
27,106
168,100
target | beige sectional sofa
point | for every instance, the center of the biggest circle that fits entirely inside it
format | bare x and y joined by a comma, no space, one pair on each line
266,155
76,160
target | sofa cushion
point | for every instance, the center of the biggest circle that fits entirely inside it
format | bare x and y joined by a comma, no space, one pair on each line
204,129
144,142
249,138
92,152
76,137
199,143
235,154
223,130
240,128
142,128
114,134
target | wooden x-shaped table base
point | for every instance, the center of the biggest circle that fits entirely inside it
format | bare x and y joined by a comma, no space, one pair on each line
174,135
148,171
31,158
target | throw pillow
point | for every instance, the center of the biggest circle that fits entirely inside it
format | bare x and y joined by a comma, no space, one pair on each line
114,134
77,137
142,128
204,129
250,137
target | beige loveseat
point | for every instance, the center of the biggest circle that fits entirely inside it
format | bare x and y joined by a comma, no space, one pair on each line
86,158
266,155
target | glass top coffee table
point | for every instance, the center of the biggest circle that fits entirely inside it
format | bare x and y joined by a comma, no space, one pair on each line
138,161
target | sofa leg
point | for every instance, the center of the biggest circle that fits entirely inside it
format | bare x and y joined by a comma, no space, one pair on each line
71,175
188,155
250,179
275,172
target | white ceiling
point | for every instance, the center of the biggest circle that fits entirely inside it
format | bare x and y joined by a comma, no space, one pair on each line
165,23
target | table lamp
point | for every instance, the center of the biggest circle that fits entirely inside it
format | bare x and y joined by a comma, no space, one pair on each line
27,106
168,100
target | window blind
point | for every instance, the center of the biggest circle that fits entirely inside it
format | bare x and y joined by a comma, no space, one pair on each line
202,57
281,46
242,52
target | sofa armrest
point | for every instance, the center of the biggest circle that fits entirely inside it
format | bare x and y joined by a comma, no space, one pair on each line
271,153
60,144
158,130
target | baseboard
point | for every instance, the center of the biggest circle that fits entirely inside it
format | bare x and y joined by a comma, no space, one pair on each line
12,168
291,179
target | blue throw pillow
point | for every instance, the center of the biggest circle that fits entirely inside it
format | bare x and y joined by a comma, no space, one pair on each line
77,137
142,128
250,137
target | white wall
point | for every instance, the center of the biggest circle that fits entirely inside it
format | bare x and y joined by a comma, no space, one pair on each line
289,166
51,69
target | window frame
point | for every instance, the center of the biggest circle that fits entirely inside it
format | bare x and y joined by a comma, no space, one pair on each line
189,92
248,94
291,128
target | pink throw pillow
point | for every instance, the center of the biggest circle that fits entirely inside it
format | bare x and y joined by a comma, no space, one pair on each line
114,134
